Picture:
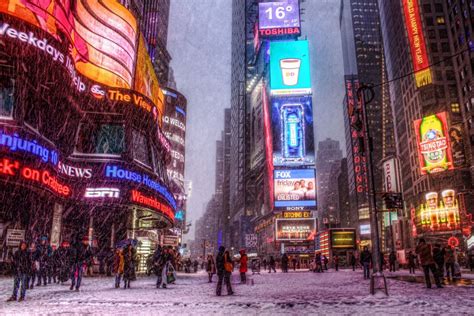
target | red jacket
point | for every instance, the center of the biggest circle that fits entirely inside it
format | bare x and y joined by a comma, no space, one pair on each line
243,263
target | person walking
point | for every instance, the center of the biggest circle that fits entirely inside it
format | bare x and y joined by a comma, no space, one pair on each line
82,255
21,267
411,262
65,261
45,252
423,250
243,266
325,261
284,263
195,265
353,262
336,262
165,263
128,265
35,265
271,265
366,260
449,261
438,257
392,260
210,267
224,268
118,266
294,263
264,262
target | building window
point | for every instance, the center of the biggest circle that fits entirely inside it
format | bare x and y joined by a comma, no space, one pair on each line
7,90
455,107
440,20
101,138
140,148
427,8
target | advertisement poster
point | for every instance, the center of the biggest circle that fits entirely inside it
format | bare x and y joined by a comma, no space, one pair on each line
419,55
457,146
290,68
295,189
295,229
391,174
440,212
279,18
343,239
292,131
434,150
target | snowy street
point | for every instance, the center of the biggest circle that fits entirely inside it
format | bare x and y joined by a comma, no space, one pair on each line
295,293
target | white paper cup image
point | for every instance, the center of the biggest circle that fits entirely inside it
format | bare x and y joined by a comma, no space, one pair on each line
290,70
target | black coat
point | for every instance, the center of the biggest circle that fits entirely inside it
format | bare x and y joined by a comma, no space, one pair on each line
366,257
438,256
220,260
82,254
22,262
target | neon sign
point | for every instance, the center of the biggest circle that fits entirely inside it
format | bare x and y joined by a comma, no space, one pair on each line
13,168
102,193
151,202
441,215
16,143
112,171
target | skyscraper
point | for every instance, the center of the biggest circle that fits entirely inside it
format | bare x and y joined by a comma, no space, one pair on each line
364,64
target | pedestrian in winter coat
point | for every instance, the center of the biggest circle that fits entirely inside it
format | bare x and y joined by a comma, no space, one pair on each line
196,265
210,267
353,262
438,257
34,258
336,262
243,266
392,259
224,266
118,266
21,267
64,257
271,265
423,251
264,262
158,265
366,260
165,265
45,252
128,266
82,255
294,261
318,263
325,261
284,263
411,262
449,261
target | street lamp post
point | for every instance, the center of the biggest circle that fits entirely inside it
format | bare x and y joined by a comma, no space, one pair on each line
366,95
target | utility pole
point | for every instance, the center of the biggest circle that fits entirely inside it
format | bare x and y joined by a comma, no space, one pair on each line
204,249
366,94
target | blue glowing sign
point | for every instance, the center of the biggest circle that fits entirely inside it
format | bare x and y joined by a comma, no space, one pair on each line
179,215
16,143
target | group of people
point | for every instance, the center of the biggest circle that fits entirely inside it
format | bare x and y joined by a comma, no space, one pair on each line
223,266
40,262
164,261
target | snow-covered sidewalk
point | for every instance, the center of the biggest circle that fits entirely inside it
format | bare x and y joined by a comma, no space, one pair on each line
294,293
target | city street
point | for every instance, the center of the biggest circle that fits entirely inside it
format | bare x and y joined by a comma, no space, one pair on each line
294,293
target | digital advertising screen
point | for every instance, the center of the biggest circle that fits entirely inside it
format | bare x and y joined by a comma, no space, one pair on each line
295,188
434,150
295,229
290,68
292,131
440,212
279,18
343,239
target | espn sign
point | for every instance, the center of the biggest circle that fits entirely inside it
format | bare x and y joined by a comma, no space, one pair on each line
94,193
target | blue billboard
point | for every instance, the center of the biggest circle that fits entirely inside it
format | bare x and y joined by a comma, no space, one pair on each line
292,131
294,189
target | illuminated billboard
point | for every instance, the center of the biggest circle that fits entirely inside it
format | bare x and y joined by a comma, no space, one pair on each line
295,229
279,18
94,39
457,146
295,189
292,131
439,214
290,68
434,150
343,238
419,55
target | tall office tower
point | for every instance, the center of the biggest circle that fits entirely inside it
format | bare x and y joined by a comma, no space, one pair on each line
430,91
329,155
364,63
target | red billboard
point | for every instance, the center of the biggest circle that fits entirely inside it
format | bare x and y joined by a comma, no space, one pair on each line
434,149
419,55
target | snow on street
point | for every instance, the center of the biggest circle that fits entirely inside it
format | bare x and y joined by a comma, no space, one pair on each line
343,292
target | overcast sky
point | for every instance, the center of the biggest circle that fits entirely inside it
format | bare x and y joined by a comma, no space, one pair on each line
199,42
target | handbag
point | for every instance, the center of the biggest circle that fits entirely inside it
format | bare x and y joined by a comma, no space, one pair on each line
228,266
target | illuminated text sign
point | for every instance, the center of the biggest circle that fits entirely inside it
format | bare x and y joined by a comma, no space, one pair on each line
151,202
279,18
102,193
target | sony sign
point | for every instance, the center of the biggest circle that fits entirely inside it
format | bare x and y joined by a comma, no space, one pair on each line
102,193
74,172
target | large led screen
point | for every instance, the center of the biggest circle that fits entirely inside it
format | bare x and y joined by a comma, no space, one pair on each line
292,131
295,229
290,68
279,18
295,188
434,150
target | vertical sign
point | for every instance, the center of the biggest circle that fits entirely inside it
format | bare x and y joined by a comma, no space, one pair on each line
419,56
56,225
391,175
